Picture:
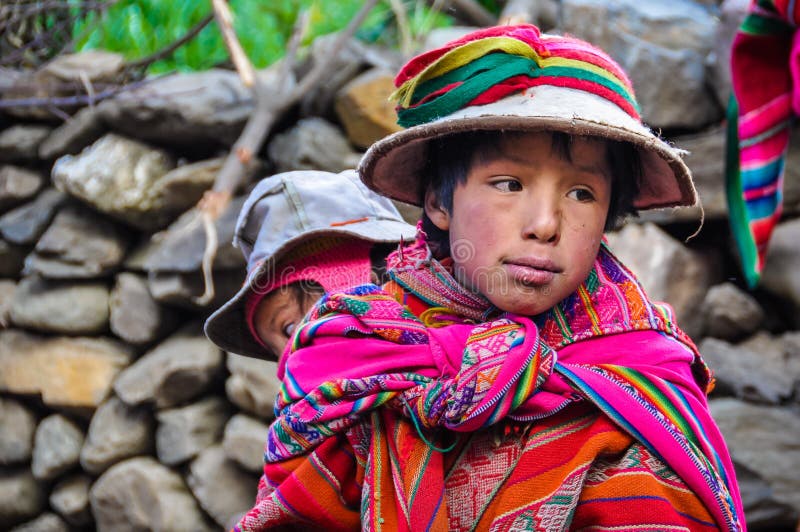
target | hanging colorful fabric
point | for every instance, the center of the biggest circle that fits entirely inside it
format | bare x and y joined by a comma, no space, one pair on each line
765,97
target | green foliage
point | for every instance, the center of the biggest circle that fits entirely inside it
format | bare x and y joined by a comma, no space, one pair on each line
138,28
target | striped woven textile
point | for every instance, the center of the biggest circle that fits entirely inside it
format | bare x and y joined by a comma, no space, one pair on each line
612,434
765,97
488,65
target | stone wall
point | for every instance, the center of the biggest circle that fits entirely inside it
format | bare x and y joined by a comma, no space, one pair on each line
117,414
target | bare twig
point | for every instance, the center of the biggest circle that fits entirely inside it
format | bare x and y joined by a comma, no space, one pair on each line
67,101
300,26
225,21
406,40
166,52
473,11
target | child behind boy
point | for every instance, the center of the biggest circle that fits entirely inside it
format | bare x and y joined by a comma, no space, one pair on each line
513,375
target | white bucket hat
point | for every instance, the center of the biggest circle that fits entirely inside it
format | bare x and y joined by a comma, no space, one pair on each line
284,211
514,78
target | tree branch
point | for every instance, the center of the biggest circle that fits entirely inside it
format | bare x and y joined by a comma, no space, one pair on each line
225,21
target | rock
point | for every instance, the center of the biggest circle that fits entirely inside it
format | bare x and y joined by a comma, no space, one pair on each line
26,223
61,307
184,109
183,432
12,259
224,491
312,144
180,248
731,15
57,447
766,439
117,432
364,109
178,369
70,498
543,14
253,384
92,65
781,275
82,129
47,522
78,244
706,160
141,494
668,270
17,425
662,46
186,289
116,175
135,316
761,510
757,376
17,185
21,142
438,37
21,497
67,372
244,442
7,290
791,179
730,312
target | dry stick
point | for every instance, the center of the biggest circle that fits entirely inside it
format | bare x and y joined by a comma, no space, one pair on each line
473,11
268,107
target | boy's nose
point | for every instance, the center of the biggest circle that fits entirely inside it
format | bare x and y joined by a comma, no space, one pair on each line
542,222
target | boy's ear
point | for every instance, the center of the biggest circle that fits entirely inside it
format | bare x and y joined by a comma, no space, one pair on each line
436,213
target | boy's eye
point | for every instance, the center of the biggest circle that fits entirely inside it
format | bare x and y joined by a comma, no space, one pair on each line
507,185
288,329
581,194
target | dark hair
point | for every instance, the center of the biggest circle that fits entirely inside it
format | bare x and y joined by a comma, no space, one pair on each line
451,157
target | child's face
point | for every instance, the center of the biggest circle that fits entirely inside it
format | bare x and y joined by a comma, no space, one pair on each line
526,225
277,315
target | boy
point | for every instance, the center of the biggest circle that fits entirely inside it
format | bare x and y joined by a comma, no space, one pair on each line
439,403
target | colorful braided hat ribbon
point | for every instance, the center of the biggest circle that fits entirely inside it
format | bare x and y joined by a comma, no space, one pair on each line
765,60
488,65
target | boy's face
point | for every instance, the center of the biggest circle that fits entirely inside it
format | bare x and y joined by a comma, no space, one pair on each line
278,314
526,225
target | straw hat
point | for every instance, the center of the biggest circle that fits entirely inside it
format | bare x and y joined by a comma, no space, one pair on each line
515,78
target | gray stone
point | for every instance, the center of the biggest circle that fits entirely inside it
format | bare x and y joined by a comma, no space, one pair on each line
767,439
47,522
78,244
761,510
57,447
542,13
135,316
178,369
117,432
183,432
781,275
141,494
312,144
244,442
21,142
438,37
12,259
66,372
116,176
90,65
21,497
7,289
26,223
17,425
187,289
82,129
252,385
730,312
224,491
731,15
17,185
61,307
668,270
180,247
185,109
662,46
758,376
70,498
791,179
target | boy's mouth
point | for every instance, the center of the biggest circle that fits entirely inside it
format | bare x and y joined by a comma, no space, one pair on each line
531,270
